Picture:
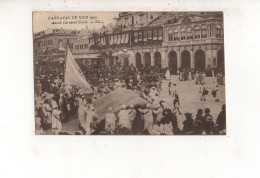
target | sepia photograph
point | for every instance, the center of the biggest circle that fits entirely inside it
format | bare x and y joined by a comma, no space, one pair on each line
129,73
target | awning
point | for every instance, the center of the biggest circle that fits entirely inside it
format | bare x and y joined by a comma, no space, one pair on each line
123,38
86,56
127,38
62,49
115,39
118,39
112,40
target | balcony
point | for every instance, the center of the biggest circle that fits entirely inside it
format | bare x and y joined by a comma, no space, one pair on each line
193,41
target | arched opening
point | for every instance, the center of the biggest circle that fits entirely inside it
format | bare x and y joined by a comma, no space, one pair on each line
221,60
172,63
157,59
185,59
126,62
200,60
138,60
147,59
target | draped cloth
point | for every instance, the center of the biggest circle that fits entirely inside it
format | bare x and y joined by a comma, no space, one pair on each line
116,99
73,74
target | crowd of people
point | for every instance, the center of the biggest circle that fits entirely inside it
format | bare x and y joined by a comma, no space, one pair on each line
58,103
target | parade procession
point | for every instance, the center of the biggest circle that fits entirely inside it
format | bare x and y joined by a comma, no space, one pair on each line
136,73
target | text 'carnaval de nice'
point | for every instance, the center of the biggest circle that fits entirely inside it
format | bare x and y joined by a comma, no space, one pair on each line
71,17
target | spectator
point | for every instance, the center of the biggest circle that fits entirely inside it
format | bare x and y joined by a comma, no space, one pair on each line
221,120
188,124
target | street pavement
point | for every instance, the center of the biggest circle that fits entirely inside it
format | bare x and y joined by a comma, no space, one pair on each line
189,96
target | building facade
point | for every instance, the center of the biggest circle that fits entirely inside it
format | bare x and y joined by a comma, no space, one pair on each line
49,45
175,40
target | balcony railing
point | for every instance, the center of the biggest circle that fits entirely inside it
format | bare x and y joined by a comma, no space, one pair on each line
194,41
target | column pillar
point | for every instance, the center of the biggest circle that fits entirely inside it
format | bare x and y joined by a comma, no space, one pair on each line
152,58
163,58
178,58
192,59
142,58
166,59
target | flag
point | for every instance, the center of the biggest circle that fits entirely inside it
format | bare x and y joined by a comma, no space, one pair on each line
73,74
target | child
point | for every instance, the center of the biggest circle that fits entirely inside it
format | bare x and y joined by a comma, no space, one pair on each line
176,104
203,92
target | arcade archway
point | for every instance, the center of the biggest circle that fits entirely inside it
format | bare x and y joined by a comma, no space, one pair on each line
200,60
138,60
185,59
157,59
172,63
147,59
221,60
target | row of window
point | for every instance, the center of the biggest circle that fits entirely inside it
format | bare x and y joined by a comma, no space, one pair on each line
152,35
145,35
139,36
81,46
46,42
186,33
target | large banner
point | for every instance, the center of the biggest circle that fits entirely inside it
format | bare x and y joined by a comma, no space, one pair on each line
73,74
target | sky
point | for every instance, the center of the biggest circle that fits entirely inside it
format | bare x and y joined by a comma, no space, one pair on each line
44,20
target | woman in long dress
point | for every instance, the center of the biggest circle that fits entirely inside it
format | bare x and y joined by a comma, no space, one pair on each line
168,75
56,120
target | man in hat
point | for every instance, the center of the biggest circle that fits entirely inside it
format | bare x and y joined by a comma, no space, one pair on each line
148,118
188,124
198,124
110,123
208,122
221,120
